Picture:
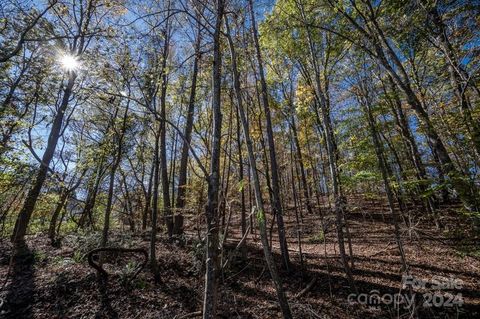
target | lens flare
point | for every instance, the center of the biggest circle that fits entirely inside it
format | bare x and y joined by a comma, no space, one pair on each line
69,62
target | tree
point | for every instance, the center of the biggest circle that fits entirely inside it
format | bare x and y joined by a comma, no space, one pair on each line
211,209
261,219
275,182
182,177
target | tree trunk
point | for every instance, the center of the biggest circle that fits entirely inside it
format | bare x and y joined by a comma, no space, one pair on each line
300,162
56,213
243,215
385,176
113,169
295,207
92,195
210,300
153,233
182,178
340,201
163,145
148,198
21,224
277,204
414,154
256,186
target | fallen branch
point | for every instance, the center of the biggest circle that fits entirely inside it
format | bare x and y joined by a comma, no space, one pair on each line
240,243
307,288
381,251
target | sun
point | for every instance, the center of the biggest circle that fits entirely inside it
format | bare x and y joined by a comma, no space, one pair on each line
69,62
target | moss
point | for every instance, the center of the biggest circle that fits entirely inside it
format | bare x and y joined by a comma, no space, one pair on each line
261,216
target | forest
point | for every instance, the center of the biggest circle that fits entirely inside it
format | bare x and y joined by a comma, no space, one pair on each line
239,159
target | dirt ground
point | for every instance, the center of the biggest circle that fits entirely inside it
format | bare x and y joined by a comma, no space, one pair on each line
59,283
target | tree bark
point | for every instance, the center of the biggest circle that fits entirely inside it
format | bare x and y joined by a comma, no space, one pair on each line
210,300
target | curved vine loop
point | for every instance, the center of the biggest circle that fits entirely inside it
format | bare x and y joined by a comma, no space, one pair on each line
102,271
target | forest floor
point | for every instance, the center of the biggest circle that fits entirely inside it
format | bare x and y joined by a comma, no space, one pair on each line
58,282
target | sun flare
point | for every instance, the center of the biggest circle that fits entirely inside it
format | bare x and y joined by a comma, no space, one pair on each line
69,62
